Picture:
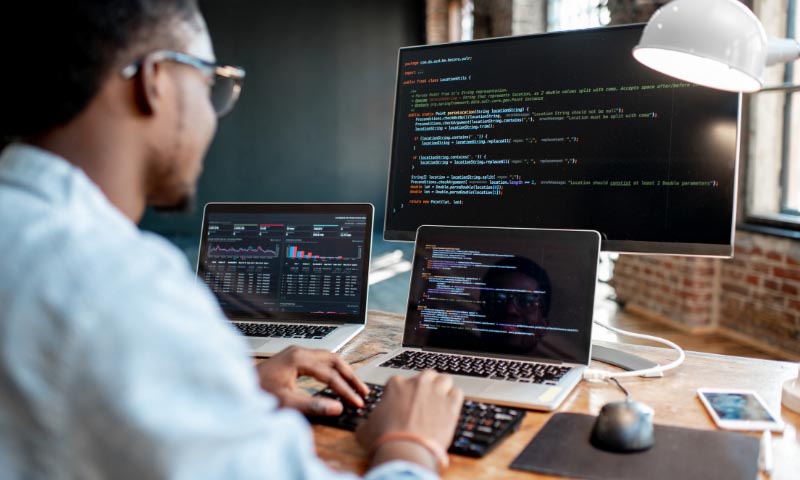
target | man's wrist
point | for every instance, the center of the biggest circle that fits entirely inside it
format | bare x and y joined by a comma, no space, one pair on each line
420,443
408,450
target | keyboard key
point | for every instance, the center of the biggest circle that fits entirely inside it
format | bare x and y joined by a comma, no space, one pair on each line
508,370
274,330
479,429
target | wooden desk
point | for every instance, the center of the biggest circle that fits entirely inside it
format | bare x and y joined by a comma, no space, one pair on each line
673,398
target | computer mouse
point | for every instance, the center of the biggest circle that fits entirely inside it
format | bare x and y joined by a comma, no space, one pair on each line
623,427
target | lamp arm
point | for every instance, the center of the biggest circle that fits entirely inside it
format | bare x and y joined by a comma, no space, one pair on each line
782,50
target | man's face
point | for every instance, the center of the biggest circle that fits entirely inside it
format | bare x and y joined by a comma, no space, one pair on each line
518,308
188,124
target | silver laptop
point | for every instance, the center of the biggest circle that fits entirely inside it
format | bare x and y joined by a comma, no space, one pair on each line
507,312
289,273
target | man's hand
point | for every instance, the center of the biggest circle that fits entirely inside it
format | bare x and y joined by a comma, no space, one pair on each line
427,405
279,373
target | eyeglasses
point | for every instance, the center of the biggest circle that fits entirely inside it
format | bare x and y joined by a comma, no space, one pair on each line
523,301
226,81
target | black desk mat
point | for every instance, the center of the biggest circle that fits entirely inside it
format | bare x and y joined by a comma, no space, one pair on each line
562,448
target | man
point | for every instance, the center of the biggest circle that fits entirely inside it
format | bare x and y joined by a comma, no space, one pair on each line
114,362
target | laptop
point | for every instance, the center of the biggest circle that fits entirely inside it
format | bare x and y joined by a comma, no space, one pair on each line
289,273
506,311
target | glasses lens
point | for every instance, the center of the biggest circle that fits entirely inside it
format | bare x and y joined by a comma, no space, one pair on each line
525,301
224,94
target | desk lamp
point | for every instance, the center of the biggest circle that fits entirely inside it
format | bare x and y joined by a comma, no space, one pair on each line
718,44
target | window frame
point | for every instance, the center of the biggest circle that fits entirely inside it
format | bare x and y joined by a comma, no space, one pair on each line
785,221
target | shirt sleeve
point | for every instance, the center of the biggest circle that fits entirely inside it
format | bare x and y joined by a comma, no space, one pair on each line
162,387
400,470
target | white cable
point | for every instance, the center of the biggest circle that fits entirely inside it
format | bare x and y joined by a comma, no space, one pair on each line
594,374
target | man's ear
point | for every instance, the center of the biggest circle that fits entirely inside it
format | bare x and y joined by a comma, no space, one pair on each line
149,94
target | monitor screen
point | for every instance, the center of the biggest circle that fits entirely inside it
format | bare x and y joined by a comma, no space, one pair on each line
516,292
300,262
562,130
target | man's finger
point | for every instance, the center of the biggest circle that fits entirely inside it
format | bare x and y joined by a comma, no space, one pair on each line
340,386
349,374
310,405
327,374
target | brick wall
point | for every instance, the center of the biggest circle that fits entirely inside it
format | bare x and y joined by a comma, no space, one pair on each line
754,296
760,290
679,288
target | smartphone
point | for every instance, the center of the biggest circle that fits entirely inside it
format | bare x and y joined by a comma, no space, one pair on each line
739,410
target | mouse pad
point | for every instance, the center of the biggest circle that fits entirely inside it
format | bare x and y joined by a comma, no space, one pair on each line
562,448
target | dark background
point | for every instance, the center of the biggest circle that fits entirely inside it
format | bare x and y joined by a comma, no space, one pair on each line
315,116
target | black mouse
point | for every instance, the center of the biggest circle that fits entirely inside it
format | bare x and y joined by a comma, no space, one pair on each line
623,427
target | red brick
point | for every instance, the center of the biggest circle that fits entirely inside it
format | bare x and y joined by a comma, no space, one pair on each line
790,273
790,289
752,280
774,256
794,305
760,267
792,261
771,284
734,288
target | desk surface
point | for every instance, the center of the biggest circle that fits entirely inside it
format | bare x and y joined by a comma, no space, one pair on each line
672,397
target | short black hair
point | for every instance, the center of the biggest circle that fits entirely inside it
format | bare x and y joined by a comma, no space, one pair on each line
527,267
56,53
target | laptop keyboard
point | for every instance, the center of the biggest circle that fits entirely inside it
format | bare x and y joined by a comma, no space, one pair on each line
277,330
496,369
481,426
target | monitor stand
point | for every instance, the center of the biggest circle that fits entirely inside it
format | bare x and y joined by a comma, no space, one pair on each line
623,360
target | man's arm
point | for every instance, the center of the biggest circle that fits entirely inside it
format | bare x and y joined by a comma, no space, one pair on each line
160,386
414,413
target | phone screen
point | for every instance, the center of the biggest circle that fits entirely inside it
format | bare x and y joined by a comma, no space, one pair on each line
738,406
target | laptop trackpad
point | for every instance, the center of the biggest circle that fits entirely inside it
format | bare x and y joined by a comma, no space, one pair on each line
484,388
256,343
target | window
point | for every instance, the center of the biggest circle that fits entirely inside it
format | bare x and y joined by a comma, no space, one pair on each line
575,14
773,156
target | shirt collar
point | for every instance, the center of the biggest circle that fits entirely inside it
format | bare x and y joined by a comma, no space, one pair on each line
53,179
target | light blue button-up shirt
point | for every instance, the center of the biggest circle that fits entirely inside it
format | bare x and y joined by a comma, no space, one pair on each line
114,362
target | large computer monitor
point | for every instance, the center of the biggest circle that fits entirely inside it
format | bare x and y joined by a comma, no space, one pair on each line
562,130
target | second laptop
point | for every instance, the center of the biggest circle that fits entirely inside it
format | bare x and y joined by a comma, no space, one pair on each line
289,273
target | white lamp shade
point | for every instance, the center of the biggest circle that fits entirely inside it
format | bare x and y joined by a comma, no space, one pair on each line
715,43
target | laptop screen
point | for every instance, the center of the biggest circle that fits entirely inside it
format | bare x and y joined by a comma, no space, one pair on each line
288,262
516,292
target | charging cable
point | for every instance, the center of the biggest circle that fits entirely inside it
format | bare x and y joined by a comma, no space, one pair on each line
594,374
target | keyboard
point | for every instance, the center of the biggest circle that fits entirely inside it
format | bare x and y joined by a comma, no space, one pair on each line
497,369
481,426
278,330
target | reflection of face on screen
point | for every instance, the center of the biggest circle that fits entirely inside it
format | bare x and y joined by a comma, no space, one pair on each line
516,292
516,299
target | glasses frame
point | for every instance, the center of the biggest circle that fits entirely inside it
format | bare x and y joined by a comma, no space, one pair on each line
516,301
214,70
